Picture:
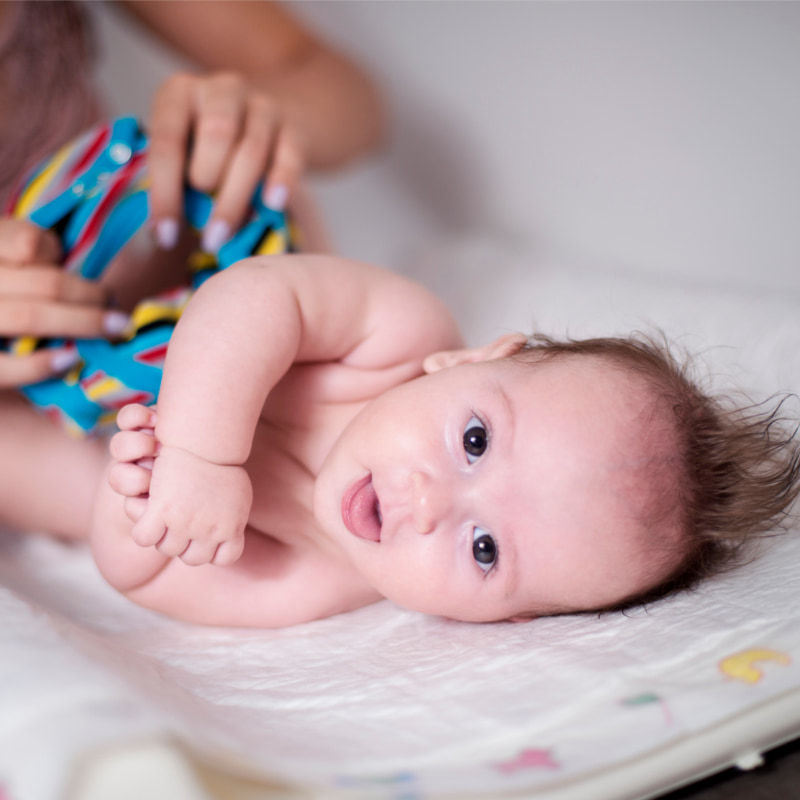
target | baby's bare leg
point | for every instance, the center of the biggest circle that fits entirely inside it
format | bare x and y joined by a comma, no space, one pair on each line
122,562
47,479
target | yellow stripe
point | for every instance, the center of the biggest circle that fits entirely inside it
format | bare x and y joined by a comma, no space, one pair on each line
274,244
102,388
29,197
147,313
23,345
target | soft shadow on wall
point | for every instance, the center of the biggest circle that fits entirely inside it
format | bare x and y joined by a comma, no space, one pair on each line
659,136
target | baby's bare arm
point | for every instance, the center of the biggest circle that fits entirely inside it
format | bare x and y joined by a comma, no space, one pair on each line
236,340
249,324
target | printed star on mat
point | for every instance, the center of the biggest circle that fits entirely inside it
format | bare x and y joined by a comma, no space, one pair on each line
529,759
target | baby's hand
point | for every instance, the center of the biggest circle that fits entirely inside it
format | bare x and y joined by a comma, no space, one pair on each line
194,509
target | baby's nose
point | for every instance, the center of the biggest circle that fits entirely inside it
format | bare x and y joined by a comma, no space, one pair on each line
429,502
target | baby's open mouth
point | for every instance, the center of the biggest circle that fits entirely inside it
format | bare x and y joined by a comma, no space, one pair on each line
361,510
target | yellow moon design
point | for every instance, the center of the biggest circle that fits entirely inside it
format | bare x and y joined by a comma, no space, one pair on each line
742,666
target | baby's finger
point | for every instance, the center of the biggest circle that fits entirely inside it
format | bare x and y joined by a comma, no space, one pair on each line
288,163
228,552
22,370
149,530
219,109
129,480
49,283
134,416
244,171
169,136
133,446
172,544
25,317
198,553
22,242
135,508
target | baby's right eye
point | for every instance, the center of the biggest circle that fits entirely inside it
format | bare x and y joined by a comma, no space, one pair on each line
476,440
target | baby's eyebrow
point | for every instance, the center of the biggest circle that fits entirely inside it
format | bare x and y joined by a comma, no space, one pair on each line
497,388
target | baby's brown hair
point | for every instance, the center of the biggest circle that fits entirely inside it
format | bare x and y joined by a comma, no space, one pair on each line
738,467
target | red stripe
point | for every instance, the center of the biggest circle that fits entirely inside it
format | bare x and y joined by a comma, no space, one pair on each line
136,397
153,355
90,154
97,219
92,379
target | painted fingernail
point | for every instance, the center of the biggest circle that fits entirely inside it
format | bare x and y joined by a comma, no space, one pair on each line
61,360
115,322
276,197
167,233
217,232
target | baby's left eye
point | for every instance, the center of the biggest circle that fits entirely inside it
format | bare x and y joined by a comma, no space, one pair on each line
484,549
476,440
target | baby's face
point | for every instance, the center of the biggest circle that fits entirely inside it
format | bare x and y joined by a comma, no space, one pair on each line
490,490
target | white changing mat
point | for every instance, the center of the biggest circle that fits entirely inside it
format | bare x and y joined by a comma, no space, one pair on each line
384,703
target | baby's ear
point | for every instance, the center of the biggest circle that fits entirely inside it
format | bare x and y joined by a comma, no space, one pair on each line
500,348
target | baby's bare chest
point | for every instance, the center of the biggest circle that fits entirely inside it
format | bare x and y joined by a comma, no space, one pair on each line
300,423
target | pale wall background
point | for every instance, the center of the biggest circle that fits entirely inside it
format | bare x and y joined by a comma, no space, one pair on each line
662,137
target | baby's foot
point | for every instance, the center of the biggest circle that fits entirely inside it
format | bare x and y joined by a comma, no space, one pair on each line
133,450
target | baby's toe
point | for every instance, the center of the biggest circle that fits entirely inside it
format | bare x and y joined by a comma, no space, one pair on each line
130,446
129,480
135,415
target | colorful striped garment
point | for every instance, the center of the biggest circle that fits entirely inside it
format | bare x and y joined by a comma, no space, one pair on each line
93,194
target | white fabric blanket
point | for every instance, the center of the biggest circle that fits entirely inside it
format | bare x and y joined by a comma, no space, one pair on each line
384,703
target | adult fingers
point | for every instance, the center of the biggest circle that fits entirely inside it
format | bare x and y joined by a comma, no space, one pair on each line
245,169
42,364
22,242
220,109
49,283
36,318
170,123
285,168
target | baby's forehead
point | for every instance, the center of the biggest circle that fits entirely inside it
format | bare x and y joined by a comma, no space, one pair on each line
596,385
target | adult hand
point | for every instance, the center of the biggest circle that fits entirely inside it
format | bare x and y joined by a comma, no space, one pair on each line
38,298
224,136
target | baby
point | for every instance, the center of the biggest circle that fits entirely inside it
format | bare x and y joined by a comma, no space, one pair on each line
323,440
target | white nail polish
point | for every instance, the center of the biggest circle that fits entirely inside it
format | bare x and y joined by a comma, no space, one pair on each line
167,233
61,360
115,323
216,233
276,197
